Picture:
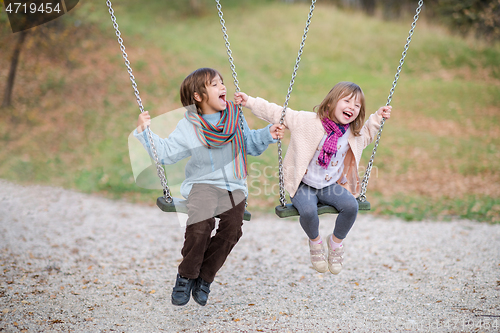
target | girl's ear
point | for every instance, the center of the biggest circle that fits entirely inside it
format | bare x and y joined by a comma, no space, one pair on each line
197,97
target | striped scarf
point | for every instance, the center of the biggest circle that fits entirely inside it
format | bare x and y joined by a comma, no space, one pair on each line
227,130
333,131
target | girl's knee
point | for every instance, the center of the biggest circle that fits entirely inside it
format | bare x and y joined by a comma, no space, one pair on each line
309,212
351,207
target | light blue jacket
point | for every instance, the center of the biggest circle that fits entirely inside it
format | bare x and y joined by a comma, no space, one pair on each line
207,165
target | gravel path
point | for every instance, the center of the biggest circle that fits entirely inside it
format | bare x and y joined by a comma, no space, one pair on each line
77,263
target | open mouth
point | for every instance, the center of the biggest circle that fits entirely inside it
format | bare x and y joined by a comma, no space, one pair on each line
347,114
222,98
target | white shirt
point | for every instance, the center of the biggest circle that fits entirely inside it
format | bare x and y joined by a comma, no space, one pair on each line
318,177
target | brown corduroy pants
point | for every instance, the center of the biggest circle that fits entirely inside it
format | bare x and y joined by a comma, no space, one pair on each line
203,255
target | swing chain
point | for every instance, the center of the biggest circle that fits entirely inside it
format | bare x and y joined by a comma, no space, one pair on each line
366,177
159,168
283,112
232,66
230,58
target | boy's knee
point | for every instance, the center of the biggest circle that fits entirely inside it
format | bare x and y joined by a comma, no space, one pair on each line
231,233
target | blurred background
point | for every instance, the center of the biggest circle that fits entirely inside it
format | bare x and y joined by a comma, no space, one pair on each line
68,108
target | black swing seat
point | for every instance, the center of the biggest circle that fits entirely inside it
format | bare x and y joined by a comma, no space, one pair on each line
289,210
179,205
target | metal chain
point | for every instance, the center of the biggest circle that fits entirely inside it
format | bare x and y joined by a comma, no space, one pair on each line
366,177
230,58
233,67
159,168
283,112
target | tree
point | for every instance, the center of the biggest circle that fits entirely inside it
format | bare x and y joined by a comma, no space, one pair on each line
196,7
13,67
368,6
479,16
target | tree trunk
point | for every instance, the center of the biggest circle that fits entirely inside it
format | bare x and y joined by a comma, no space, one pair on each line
392,9
196,7
13,67
368,6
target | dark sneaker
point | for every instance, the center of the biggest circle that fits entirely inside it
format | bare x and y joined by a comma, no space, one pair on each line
201,289
182,290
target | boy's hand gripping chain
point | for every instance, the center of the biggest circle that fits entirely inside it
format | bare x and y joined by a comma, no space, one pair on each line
159,168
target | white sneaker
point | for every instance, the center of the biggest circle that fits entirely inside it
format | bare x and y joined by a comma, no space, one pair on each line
335,258
318,257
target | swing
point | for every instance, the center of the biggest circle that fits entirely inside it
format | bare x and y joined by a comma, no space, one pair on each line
167,203
287,210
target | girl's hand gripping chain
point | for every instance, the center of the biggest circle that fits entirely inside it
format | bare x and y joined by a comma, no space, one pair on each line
277,131
385,111
240,98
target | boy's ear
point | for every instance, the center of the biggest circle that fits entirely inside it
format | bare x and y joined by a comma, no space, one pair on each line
197,97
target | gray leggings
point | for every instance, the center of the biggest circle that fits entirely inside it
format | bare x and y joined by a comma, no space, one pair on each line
306,200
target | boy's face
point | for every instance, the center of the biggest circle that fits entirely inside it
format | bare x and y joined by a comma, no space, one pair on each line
215,100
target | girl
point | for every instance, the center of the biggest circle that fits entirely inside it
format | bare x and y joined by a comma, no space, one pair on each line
215,181
321,164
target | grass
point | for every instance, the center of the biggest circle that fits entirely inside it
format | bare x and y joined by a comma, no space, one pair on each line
439,155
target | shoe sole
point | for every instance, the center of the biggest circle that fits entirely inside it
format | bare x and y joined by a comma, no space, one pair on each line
198,301
321,271
174,302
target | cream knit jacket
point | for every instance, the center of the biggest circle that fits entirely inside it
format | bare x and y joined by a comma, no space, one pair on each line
306,132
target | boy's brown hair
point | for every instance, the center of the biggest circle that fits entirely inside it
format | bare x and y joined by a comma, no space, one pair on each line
196,82
339,91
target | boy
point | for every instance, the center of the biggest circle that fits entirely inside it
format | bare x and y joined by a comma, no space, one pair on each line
215,181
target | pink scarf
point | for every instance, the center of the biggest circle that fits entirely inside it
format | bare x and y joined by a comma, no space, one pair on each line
333,131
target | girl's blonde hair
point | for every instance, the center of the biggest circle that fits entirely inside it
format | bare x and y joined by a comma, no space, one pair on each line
339,91
197,82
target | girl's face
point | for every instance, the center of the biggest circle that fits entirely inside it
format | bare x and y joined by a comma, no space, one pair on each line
215,100
347,109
